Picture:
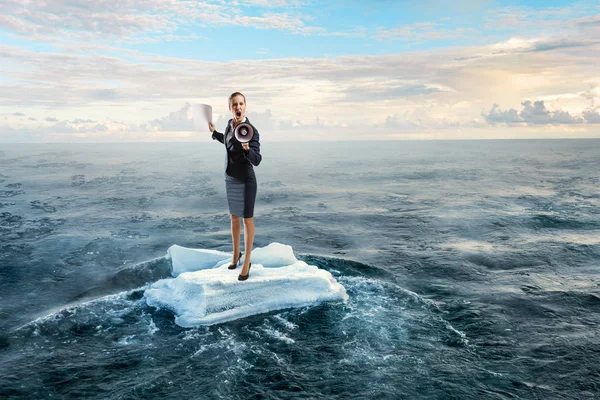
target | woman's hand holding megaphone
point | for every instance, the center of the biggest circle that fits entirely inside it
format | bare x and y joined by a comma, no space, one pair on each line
211,127
246,146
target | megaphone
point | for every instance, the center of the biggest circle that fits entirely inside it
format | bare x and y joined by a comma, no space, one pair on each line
244,132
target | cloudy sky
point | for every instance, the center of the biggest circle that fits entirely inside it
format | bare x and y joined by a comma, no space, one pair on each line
128,70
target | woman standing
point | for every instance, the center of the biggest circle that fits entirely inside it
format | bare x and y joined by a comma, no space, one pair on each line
240,181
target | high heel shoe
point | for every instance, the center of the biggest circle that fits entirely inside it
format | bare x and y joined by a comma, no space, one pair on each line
234,266
244,277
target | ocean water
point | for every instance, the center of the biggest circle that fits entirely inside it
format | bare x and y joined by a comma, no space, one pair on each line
472,269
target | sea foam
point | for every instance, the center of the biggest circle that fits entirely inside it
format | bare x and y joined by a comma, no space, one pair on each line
205,292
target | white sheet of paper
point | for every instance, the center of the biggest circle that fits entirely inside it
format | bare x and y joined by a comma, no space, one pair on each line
202,114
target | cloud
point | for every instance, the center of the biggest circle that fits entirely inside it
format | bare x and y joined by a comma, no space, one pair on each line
180,120
421,31
593,95
86,18
422,119
65,80
592,116
560,43
104,94
524,18
84,85
75,126
65,129
534,113
398,123
589,22
377,90
517,45
79,127
497,116
270,3
134,20
279,21
18,114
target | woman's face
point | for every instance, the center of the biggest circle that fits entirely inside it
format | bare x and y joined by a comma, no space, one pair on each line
238,108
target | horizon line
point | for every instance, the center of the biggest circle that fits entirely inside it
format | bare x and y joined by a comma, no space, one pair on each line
313,141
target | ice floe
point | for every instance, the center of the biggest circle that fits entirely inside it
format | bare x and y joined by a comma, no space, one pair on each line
204,292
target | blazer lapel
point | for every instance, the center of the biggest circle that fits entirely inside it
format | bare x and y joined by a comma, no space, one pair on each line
227,130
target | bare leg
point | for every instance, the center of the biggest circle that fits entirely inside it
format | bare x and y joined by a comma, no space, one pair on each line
248,242
236,230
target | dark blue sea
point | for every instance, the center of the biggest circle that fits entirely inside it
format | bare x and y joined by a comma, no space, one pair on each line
472,269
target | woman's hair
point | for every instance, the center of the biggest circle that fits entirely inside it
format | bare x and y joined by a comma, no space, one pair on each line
236,94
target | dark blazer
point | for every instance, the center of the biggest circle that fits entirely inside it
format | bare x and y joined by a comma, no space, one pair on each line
239,162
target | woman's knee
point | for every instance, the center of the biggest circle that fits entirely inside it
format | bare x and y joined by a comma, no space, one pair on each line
234,218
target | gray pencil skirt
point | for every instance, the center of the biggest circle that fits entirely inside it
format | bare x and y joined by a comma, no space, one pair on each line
241,196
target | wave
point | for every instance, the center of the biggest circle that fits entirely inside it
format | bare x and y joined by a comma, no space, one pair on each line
545,221
131,277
